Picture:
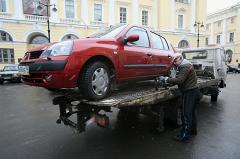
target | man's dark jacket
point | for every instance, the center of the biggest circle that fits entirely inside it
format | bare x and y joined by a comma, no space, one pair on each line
186,78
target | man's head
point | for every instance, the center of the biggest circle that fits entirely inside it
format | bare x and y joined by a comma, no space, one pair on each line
177,59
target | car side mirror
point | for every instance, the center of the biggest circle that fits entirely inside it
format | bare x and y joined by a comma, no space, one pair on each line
130,38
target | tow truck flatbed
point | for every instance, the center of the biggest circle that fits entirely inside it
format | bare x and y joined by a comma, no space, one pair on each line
142,97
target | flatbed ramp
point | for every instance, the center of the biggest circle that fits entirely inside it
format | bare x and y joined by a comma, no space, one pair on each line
142,97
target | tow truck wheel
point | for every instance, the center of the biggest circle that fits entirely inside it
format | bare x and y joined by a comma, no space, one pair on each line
214,97
94,81
1,81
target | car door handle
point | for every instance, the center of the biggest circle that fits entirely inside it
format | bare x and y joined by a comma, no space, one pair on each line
169,56
149,54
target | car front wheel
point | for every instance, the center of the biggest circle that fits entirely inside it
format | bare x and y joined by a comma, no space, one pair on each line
95,81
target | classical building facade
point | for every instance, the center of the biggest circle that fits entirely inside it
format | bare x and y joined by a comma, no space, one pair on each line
223,30
23,24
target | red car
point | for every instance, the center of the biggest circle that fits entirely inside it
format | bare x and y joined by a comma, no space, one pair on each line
116,54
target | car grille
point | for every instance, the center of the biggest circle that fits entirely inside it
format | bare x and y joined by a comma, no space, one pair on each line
35,54
7,75
33,78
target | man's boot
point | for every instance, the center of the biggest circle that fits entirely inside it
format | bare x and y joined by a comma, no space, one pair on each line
183,136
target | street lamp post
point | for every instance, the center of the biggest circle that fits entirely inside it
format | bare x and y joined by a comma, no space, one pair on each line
198,25
39,7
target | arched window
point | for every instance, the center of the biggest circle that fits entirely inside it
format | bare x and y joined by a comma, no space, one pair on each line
183,44
69,37
4,36
38,39
229,54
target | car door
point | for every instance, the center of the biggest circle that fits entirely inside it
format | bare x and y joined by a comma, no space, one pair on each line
134,56
161,54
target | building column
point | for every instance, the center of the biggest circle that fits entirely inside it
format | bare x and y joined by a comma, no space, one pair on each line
193,14
173,13
84,11
54,15
111,20
211,40
135,11
224,32
18,9
155,15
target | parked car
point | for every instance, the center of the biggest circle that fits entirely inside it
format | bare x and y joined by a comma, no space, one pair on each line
233,68
113,55
208,62
10,73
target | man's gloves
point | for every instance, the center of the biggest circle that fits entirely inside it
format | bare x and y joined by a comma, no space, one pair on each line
163,79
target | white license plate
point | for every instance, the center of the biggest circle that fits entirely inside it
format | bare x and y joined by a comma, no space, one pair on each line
23,70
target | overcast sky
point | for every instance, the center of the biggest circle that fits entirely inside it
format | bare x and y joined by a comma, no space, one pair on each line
214,5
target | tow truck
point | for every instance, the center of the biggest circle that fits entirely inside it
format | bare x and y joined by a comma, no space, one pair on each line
150,98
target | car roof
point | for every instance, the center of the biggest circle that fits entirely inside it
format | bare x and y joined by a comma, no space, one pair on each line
11,65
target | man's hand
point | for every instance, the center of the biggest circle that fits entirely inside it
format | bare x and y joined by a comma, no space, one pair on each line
163,79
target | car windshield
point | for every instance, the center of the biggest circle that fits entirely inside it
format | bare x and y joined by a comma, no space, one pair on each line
10,68
109,32
194,55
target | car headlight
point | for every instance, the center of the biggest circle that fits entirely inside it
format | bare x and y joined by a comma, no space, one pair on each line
58,49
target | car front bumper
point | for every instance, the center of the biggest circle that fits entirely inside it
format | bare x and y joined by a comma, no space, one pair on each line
49,74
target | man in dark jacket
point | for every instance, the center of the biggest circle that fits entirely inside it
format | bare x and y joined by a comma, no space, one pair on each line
186,80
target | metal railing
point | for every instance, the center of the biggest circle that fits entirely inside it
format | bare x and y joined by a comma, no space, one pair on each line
36,18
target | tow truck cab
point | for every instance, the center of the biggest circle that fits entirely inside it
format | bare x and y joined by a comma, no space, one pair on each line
208,62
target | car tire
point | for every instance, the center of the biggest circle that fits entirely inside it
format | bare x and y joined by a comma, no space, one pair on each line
94,82
1,82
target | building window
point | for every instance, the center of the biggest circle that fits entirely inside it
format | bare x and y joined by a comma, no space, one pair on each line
69,37
5,36
206,41
98,12
39,39
231,37
7,56
30,7
145,18
182,1
69,8
218,39
183,44
180,21
123,15
219,24
3,6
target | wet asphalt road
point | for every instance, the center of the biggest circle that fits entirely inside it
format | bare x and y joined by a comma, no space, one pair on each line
28,130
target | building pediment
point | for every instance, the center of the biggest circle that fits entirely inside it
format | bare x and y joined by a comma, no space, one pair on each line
120,3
